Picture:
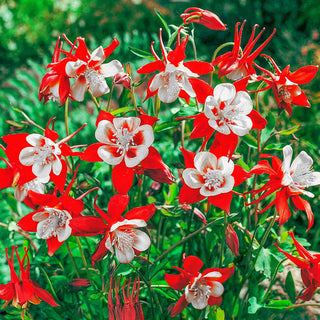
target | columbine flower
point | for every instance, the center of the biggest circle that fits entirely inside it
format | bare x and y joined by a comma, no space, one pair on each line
90,71
289,181
285,85
51,221
40,156
22,290
122,235
234,65
55,85
176,78
211,177
229,112
131,308
204,17
126,143
200,289
309,265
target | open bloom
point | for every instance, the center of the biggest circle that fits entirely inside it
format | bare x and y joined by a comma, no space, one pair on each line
235,64
22,290
289,181
200,289
40,156
89,70
209,176
122,235
51,221
204,17
176,78
285,84
126,143
310,268
230,113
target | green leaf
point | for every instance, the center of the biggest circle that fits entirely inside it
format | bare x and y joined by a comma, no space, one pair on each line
278,304
254,305
216,313
121,110
166,126
275,146
290,288
141,53
263,262
250,141
163,22
290,131
268,130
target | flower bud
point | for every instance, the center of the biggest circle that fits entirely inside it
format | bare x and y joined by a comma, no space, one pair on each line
232,239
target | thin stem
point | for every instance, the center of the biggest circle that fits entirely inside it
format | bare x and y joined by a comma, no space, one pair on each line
49,282
304,305
183,125
72,260
28,119
188,237
223,242
133,97
82,253
66,109
109,99
94,100
157,107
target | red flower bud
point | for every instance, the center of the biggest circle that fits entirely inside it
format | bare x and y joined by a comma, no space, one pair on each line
78,284
122,78
232,239
204,17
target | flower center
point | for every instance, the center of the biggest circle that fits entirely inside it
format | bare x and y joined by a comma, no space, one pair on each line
51,222
123,139
213,179
123,239
93,77
283,93
46,153
198,292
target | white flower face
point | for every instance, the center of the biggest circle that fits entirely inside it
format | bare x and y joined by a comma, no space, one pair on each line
199,291
124,237
171,81
53,223
36,185
124,139
228,110
43,156
211,175
299,175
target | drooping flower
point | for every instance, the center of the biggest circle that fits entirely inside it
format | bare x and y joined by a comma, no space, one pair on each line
207,176
126,143
131,308
176,78
200,289
55,85
122,235
310,268
89,70
22,290
51,220
289,181
230,113
40,156
204,17
285,84
238,64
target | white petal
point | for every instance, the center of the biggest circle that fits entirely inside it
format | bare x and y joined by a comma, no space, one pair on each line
211,104
192,178
45,229
241,126
217,289
131,123
109,157
99,87
98,55
111,68
222,127
134,223
242,103
104,130
21,192
225,165
35,139
141,153
109,245
57,166
186,86
147,133
213,274
287,156
126,255
224,92
142,241
301,164
40,216
204,160
73,66
63,233
26,156
41,170
79,88
156,82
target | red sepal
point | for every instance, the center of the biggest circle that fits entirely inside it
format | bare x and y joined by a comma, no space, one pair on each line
221,201
53,245
176,281
122,178
192,264
181,304
201,88
117,205
86,226
144,213
199,67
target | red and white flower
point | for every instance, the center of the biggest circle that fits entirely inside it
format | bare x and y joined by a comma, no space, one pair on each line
90,71
176,78
121,234
200,289
209,176
289,181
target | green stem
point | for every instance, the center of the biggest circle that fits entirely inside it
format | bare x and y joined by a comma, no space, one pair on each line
188,237
49,282
66,109
82,253
94,100
157,107
133,97
72,260
223,242
109,99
